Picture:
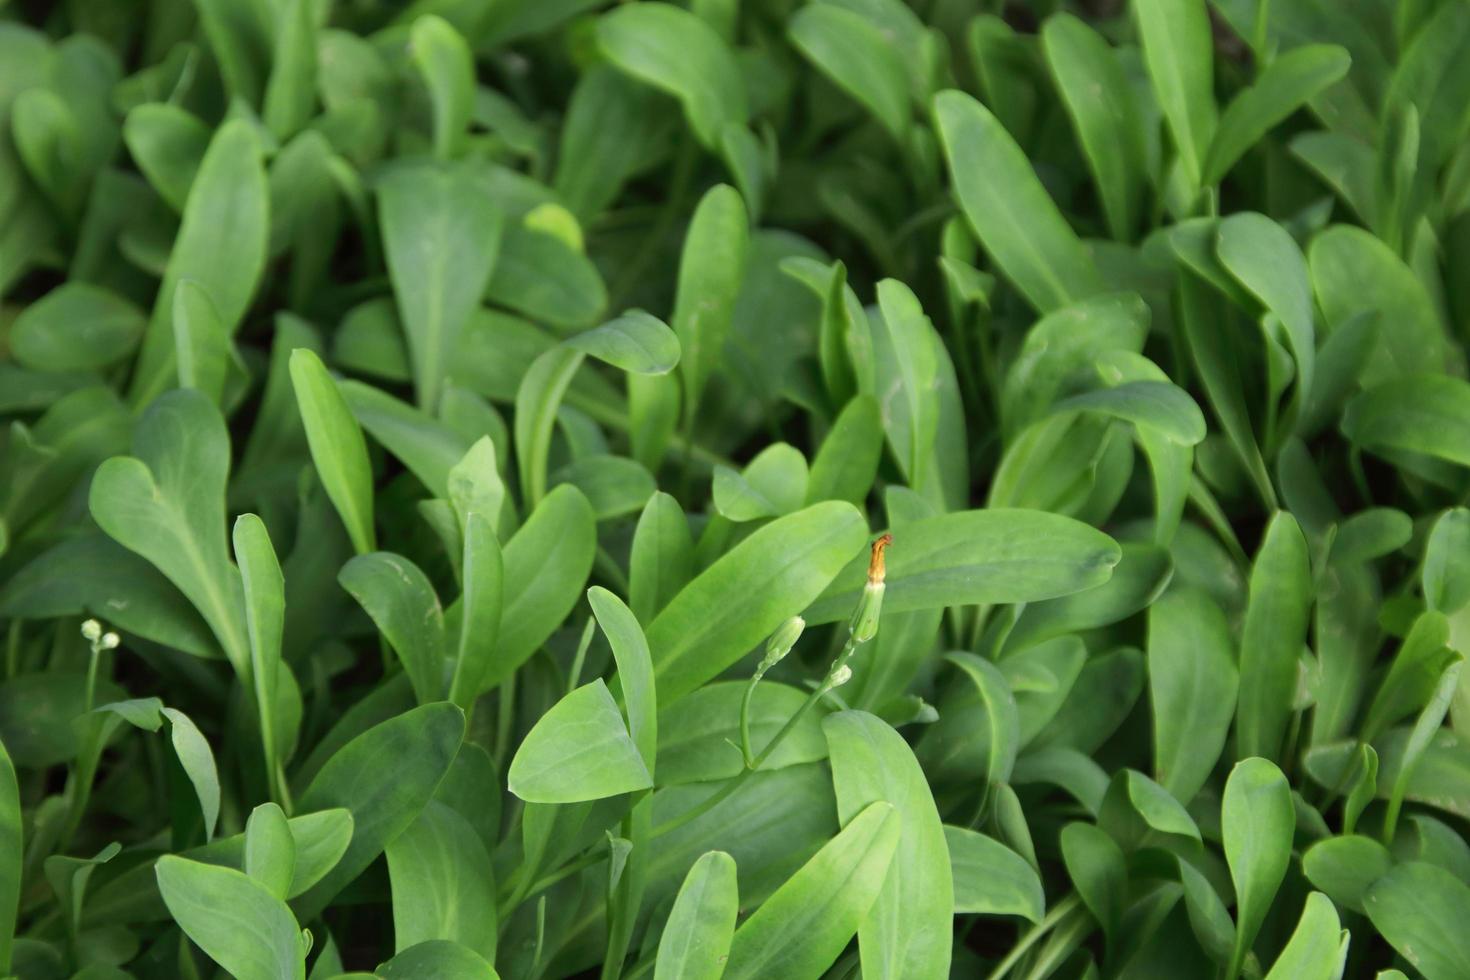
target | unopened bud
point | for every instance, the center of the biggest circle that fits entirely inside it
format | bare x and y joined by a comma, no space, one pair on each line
91,631
781,642
865,618
839,677
110,641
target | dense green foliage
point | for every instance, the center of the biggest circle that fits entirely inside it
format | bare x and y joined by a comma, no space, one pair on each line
451,448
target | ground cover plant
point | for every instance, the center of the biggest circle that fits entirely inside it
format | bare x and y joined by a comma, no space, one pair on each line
554,488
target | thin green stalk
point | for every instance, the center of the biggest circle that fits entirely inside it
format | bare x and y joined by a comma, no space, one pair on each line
1038,932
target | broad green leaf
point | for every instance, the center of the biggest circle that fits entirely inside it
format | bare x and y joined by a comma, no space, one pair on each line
1010,211
384,778
437,959
1140,576
202,347
167,143
1263,257
221,245
290,92
904,349
773,484
677,52
537,400
662,558
319,840
167,503
1344,867
482,602
258,940
635,669
1420,909
1160,811
1001,717
1179,55
443,884
1257,820
1101,105
696,938
801,929
907,931
990,878
1285,85
977,557
11,838
1446,574
1416,414
859,58
1353,272
543,278
441,236
429,448
265,616
637,342
76,327
711,269
1371,534
338,448
1208,918
846,464
189,744
1100,873
1158,405
546,566
579,750
270,850
1192,681
401,602
740,599
1317,949
1271,640
447,67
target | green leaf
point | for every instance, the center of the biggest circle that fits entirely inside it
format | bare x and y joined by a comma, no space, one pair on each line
846,465
1158,405
857,56
482,602
662,558
1271,640
990,878
1100,873
76,327
1179,55
221,245
740,599
270,850
801,929
907,931
537,400
711,269
443,884
773,484
290,92
1096,94
1192,682
696,938
444,61
167,503
579,750
384,778
1003,725
635,669
539,275
1417,414
1257,819
437,959
402,604
441,236
430,449
1263,257
678,53
11,838
1287,83
978,556
258,940
1420,909
546,566
1353,272
637,342
1344,867
338,448
904,349
167,143
265,616
203,348
1317,949
1015,219
699,734
1446,574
